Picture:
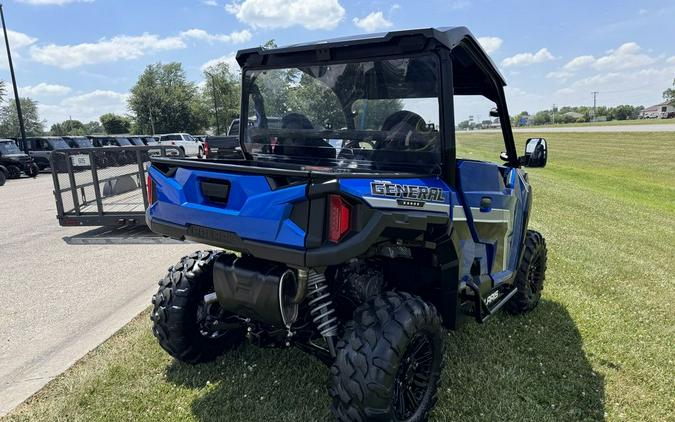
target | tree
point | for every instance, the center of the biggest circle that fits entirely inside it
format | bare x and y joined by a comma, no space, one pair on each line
163,101
9,121
114,124
669,94
68,127
221,95
92,128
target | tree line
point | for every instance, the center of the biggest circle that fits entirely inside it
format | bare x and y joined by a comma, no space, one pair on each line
163,100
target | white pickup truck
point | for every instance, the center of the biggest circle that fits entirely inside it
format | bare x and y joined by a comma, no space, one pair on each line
190,145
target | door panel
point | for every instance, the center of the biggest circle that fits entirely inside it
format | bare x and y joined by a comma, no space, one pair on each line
492,210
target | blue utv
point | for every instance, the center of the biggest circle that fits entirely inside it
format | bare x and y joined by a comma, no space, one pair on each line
350,228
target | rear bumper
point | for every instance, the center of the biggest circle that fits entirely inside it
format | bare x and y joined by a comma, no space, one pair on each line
359,243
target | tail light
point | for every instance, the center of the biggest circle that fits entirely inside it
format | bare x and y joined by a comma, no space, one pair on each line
339,218
206,148
150,186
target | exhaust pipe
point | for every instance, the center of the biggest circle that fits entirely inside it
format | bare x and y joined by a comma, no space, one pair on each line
261,290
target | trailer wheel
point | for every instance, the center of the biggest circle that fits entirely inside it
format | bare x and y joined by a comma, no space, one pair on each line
388,361
179,312
530,276
13,172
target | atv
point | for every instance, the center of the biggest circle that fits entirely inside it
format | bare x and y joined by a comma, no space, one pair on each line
350,228
15,162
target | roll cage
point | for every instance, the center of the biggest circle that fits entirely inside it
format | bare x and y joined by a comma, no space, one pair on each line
465,69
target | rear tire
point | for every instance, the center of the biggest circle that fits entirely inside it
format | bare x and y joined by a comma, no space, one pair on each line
394,339
13,172
176,309
33,171
530,276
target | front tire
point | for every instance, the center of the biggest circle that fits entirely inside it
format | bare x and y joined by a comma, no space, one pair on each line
178,312
13,172
389,361
530,276
3,177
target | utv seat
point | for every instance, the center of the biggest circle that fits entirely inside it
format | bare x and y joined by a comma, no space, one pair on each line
299,147
407,143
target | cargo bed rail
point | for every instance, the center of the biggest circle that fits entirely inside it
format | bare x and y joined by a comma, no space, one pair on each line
103,186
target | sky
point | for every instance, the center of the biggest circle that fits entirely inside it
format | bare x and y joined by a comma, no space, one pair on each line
79,58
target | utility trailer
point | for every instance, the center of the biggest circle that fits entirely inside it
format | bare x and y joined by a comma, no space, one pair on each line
103,186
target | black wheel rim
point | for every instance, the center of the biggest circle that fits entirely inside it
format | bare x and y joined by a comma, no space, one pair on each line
535,274
413,378
209,317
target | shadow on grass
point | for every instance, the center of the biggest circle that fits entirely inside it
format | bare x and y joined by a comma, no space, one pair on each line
530,367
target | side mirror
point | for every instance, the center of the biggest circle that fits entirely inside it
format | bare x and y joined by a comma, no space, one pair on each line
504,156
494,113
536,153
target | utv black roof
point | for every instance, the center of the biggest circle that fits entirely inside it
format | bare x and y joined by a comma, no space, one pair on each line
469,58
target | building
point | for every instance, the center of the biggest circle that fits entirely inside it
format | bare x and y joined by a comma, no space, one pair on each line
659,111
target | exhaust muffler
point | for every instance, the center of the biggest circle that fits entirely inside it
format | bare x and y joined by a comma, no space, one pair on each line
261,290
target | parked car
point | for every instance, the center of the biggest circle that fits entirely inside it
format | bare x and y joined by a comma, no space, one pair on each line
150,140
272,123
113,158
78,141
189,146
14,161
102,159
222,147
41,148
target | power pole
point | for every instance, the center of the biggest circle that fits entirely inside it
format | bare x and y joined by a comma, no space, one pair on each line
553,112
16,92
595,97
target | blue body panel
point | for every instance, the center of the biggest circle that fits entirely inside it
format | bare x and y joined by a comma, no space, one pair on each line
254,211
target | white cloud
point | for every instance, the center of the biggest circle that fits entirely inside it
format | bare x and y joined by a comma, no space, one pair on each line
123,47
85,107
560,74
53,2
229,59
579,62
671,60
44,89
233,37
490,44
628,55
525,59
212,3
314,14
373,22
17,40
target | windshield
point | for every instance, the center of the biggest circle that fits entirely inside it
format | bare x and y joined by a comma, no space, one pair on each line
58,144
370,115
172,138
83,143
136,141
123,142
9,147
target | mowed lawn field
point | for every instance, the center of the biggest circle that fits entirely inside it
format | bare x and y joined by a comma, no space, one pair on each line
601,345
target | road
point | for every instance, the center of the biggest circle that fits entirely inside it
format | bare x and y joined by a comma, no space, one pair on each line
616,128
62,300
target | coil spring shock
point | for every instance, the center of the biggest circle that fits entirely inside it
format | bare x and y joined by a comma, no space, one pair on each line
321,308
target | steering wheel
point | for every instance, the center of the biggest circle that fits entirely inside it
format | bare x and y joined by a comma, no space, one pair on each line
348,151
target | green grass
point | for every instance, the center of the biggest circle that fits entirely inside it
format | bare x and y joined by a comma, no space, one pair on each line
600,345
